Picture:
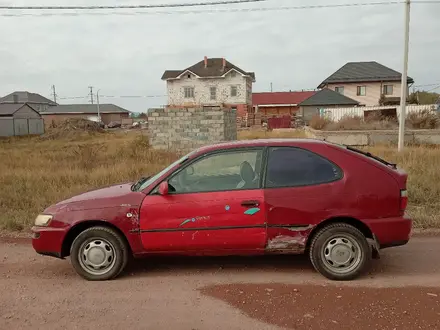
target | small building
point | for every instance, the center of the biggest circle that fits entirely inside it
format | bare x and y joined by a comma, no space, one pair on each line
325,98
108,113
210,82
19,119
277,104
366,82
36,101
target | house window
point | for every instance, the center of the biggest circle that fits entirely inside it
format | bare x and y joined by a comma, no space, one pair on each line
339,90
213,93
233,74
361,91
234,91
189,92
388,89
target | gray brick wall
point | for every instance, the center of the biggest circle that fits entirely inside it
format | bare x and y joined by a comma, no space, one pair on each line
184,129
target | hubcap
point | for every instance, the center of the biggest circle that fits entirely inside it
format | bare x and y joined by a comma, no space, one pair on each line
97,256
342,254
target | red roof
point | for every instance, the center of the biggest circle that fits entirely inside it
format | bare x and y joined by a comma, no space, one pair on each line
280,97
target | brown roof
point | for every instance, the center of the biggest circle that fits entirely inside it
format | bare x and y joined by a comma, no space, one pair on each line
214,69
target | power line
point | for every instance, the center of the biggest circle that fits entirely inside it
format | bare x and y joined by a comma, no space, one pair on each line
110,96
176,5
433,89
227,10
427,85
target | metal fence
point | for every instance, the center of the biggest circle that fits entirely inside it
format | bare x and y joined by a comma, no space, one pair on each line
21,126
279,122
337,114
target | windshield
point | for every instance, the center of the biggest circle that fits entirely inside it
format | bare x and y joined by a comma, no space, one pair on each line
146,183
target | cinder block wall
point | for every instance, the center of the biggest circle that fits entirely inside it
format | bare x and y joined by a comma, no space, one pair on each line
186,129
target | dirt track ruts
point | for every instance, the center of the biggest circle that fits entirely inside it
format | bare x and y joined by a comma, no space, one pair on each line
168,293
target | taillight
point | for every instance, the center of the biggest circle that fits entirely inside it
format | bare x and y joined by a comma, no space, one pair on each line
403,200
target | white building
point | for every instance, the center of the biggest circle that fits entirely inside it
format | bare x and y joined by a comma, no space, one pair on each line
211,82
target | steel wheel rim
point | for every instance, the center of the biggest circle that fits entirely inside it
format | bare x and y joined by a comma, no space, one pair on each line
341,253
97,256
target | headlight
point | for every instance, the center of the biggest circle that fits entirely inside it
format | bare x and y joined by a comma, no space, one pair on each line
43,220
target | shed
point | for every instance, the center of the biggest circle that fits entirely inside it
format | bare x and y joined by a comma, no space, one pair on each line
19,119
325,98
107,112
279,103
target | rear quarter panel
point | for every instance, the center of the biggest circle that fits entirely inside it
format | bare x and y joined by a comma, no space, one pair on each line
365,192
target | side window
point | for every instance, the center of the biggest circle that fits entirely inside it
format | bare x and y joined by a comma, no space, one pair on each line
293,167
232,170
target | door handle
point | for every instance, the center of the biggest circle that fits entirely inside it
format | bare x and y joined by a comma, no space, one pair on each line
250,203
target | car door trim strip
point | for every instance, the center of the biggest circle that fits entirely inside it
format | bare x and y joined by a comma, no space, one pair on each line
220,228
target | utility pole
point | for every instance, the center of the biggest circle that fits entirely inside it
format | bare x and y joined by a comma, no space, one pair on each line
54,93
404,79
91,94
97,103
271,89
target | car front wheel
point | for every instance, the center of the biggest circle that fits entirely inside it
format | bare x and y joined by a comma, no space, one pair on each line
99,254
340,252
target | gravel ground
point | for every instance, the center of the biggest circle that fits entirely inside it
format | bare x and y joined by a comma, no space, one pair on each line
182,293
329,307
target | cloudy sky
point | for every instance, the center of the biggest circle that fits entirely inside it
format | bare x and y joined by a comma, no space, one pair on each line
125,55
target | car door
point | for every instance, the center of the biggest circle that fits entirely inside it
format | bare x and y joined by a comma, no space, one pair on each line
301,190
214,203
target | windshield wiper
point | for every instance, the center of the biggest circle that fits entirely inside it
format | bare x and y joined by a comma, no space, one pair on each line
369,154
135,186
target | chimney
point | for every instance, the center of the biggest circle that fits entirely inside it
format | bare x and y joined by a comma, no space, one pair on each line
224,64
15,98
206,62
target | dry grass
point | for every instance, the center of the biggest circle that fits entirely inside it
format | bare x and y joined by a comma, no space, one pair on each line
35,173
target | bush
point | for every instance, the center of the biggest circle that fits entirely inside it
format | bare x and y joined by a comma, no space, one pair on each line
318,122
424,119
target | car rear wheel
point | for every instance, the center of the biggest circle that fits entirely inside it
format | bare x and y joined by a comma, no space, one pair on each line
340,252
99,254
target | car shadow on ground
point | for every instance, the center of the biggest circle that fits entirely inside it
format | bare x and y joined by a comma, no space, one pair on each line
211,265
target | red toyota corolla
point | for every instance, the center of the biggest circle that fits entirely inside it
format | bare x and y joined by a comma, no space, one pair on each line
288,196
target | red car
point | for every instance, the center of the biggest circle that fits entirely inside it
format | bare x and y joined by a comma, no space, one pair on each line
278,196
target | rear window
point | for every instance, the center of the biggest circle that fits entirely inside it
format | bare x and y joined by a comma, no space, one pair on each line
293,167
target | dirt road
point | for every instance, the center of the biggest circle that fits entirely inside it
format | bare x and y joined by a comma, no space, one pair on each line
221,293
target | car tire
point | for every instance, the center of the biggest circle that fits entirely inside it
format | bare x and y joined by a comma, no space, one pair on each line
99,254
340,252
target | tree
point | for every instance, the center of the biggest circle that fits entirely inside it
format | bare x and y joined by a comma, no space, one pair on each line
424,97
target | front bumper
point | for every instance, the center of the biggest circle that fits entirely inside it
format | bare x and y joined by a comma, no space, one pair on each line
48,241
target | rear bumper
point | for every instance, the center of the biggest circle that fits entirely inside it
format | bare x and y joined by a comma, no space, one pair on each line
48,241
391,232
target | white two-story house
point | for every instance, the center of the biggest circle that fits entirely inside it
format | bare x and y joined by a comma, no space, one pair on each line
365,82
210,82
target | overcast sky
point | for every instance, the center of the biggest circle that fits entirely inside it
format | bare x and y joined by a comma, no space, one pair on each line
126,54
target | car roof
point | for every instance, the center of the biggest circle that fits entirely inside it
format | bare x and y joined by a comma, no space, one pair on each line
260,143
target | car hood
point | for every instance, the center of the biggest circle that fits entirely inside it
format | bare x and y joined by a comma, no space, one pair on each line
112,196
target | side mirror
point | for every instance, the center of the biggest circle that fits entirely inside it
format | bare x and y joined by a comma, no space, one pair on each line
163,188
